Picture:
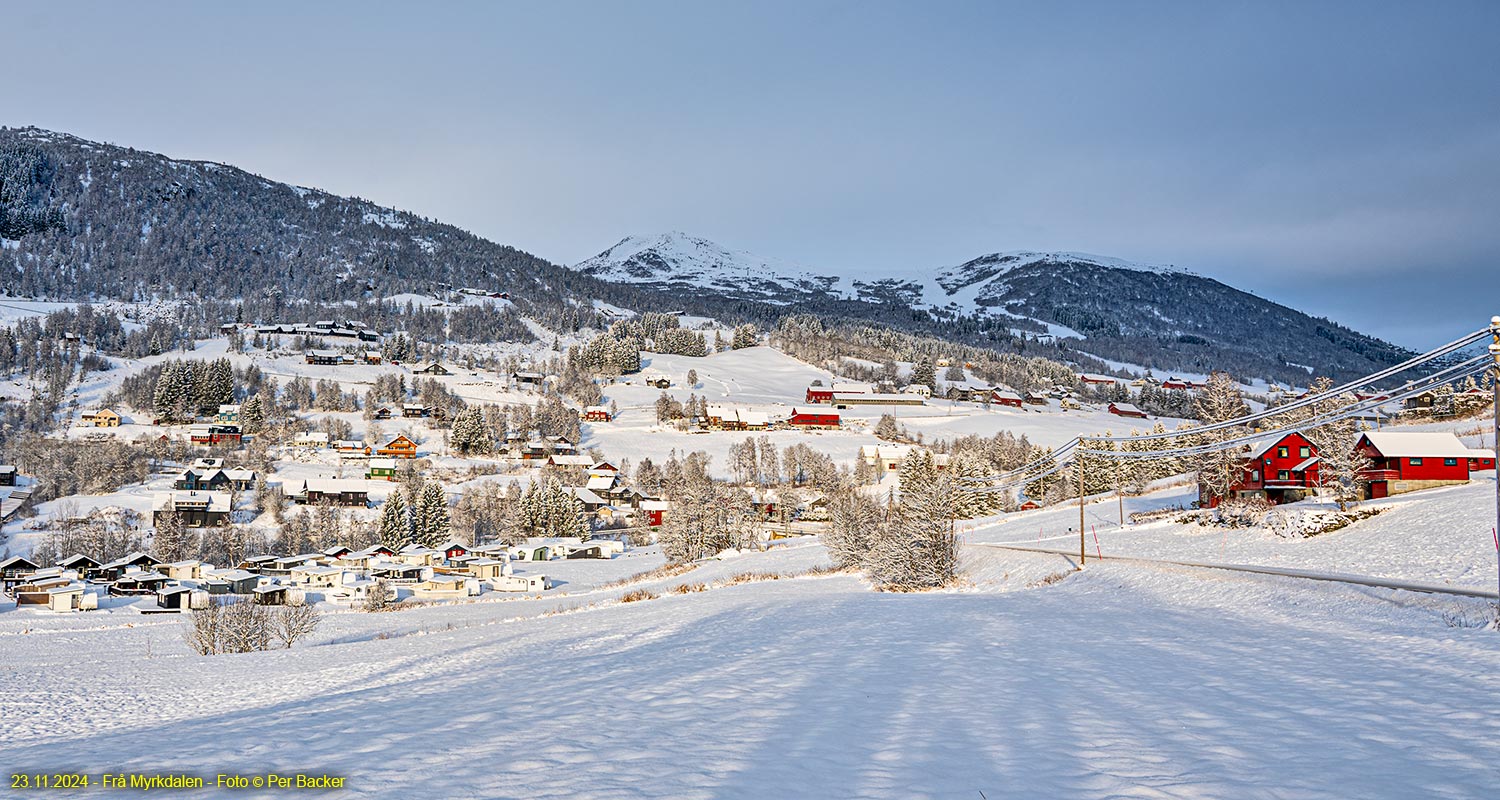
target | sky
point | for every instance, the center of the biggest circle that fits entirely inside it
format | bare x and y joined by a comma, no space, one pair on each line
1341,158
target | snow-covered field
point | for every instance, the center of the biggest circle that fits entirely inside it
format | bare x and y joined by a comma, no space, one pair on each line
1438,536
1120,681
763,378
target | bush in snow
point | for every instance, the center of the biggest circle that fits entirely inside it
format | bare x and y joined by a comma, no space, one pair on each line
379,597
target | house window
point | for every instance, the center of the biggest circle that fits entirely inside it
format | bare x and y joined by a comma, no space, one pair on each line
1283,475
1450,462
1416,462
1255,476
1304,452
1281,452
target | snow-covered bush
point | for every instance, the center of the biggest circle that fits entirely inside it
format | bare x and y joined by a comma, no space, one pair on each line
1248,512
379,597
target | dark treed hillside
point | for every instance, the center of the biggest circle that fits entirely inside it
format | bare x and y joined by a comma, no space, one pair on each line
1170,320
84,220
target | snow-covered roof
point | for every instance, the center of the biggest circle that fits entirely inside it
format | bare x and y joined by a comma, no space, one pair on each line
210,501
600,483
585,496
333,485
571,461
1414,444
1305,465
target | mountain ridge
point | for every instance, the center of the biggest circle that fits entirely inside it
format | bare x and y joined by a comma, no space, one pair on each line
1157,316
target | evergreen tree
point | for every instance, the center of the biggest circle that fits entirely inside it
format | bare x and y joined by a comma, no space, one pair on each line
924,374
395,526
252,415
431,521
745,336
468,435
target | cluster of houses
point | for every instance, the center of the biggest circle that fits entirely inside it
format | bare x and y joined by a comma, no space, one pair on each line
345,329
1288,469
841,394
1172,383
398,446
606,495
339,358
338,573
219,430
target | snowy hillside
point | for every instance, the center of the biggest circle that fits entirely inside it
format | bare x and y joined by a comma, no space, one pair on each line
676,261
1158,316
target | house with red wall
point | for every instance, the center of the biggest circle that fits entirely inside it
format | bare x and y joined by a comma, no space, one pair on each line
813,419
1284,471
824,394
1405,461
1481,460
1005,397
1127,410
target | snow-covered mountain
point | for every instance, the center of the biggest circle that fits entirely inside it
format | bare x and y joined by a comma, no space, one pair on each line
679,261
1159,316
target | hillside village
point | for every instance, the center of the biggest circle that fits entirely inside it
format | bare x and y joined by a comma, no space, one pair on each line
324,461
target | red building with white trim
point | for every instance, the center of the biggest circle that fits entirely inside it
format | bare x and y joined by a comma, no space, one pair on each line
814,419
1283,472
1403,461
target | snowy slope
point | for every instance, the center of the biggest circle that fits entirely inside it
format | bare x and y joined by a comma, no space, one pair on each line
1115,682
676,260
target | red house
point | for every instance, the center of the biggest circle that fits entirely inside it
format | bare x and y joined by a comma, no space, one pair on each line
1126,410
1003,397
596,414
824,394
1408,461
1284,472
1480,460
814,419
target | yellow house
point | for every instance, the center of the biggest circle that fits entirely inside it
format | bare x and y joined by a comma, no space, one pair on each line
103,418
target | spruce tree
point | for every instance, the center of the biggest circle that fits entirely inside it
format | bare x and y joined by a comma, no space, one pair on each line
395,526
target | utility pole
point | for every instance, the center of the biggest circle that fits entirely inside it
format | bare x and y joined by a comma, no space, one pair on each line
1119,492
1495,388
1083,555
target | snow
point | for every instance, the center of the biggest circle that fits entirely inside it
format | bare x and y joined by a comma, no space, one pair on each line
384,217
680,259
1435,535
765,379
1034,681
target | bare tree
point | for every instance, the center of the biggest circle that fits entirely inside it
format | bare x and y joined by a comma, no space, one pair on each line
293,622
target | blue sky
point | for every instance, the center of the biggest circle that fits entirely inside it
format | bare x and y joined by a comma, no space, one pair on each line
1343,158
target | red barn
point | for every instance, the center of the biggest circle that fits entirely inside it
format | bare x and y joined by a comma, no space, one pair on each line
814,419
1408,461
824,394
820,394
1126,410
1284,472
